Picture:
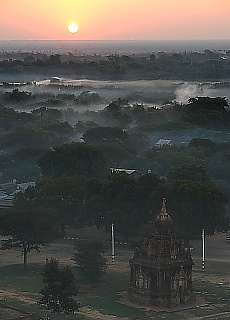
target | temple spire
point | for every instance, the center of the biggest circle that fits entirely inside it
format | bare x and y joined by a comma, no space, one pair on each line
163,208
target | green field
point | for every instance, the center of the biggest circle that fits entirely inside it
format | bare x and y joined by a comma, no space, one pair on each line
20,289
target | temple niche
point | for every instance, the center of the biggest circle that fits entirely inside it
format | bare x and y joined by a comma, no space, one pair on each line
161,271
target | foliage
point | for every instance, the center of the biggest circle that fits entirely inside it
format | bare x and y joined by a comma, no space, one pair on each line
115,114
161,160
89,260
196,206
9,118
25,137
58,294
133,202
139,141
28,229
130,203
206,111
17,96
124,201
114,152
81,126
186,66
20,164
87,97
51,113
73,159
28,136
65,195
106,134
190,171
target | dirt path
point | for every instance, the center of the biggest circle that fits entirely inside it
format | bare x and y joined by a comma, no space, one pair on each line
95,314
22,296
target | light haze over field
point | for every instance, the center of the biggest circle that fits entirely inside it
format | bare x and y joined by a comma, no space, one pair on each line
115,19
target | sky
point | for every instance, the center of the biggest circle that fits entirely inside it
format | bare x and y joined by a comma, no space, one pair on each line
114,19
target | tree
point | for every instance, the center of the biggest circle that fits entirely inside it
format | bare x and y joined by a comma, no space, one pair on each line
196,205
106,134
114,115
28,229
190,171
151,188
89,260
30,136
120,196
64,194
124,201
208,103
207,111
73,159
58,294
17,96
9,118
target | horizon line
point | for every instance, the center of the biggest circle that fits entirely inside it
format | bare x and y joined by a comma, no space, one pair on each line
110,40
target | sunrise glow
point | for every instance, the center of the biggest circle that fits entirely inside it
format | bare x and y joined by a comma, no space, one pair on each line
115,19
73,28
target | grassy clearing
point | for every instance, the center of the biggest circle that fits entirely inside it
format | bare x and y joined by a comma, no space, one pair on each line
21,286
21,290
106,297
15,277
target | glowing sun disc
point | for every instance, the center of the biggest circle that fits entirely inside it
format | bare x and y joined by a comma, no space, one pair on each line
73,28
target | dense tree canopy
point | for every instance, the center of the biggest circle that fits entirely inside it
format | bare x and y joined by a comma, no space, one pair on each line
196,205
74,159
64,194
106,134
130,203
17,96
206,111
125,201
190,171
76,180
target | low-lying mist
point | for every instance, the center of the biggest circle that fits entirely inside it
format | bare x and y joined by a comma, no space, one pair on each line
148,92
111,90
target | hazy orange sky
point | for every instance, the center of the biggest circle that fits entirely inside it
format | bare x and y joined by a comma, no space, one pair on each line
115,19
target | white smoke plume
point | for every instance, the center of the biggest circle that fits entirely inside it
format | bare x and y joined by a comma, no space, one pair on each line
191,90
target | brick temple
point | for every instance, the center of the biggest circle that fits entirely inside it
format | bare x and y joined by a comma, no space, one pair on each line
161,271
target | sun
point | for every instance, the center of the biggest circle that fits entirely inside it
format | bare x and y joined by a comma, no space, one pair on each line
73,28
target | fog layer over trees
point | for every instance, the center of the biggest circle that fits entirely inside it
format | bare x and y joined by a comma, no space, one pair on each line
68,139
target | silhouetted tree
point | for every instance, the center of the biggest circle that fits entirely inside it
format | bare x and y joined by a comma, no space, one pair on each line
60,288
207,111
28,229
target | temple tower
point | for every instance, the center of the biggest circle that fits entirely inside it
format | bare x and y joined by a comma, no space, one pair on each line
161,271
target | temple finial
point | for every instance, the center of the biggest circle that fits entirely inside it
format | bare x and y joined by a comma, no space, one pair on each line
163,208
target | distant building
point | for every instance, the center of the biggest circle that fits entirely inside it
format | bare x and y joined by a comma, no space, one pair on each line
163,142
55,80
8,191
6,195
131,172
8,188
161,271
